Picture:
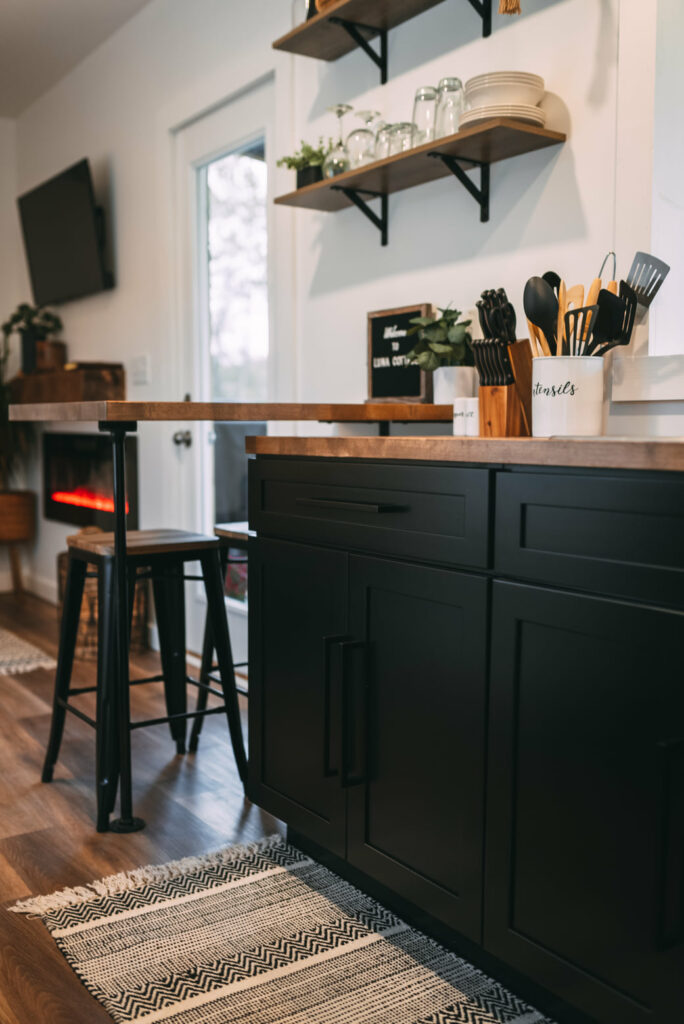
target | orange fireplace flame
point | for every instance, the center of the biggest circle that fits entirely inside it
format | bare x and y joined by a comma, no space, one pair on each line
82,497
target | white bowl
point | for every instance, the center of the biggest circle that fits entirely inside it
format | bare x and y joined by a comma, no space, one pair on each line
509,92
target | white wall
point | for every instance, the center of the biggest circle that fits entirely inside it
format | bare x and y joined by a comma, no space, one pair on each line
559,209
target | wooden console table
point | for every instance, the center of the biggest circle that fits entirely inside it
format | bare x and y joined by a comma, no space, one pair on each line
119,418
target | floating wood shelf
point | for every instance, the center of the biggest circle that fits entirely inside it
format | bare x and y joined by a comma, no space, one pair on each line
477,146
349,24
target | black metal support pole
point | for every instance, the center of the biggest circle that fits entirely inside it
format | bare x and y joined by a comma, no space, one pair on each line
383,428
121,698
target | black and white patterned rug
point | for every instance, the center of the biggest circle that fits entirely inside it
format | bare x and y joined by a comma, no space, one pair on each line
261,935
17,655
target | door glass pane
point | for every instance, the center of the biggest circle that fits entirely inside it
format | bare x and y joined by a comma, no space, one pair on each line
234,289
237,277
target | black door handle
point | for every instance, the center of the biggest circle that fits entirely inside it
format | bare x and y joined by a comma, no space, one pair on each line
376,508
332,690
353,715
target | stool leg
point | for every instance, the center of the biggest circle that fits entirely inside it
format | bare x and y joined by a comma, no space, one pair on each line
73,595
216,610
202,695
107,676
169,603
106,736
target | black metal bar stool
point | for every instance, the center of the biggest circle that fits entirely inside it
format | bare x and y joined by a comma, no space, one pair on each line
236,537
158,555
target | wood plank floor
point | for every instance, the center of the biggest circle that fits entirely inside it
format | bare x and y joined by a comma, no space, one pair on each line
191,804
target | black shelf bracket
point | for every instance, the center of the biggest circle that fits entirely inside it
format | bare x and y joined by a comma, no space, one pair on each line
381,222
484,9
356,30
481,194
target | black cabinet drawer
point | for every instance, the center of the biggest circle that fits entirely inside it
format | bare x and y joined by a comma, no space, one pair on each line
617,535
438,514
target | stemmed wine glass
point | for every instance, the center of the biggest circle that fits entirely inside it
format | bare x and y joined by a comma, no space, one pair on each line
361,142
337,160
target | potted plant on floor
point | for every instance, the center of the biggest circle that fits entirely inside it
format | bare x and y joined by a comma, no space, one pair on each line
443,347
307,162
17,507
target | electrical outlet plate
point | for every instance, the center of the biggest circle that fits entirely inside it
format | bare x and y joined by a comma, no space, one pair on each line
140,370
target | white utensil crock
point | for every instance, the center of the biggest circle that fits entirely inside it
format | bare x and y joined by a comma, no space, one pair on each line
450,382
567,396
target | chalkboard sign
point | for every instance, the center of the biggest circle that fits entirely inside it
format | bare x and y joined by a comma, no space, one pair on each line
391,378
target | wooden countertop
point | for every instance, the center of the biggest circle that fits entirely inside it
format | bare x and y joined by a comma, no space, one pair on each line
245,412
600,453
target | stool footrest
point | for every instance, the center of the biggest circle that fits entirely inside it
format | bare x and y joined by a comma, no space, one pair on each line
75,711
173,718
205,686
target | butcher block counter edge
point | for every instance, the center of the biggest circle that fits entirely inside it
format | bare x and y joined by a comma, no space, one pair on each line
666,455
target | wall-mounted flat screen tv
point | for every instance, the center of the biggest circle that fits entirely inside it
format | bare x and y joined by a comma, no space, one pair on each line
63,232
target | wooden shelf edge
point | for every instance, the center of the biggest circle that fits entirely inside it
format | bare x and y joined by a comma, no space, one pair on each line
358,178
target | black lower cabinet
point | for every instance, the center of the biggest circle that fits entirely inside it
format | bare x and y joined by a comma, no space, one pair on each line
417,697
585,801
297,608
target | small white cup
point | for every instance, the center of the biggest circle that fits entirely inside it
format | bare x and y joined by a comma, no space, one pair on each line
467,417
567,396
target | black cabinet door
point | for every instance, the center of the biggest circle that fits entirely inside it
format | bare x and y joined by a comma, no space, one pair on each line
414,742
297,608
585,821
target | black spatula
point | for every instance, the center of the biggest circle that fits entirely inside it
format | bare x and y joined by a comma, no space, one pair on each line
646,276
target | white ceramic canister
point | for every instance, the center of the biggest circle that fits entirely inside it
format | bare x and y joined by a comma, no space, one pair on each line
467,417
451,382
567,396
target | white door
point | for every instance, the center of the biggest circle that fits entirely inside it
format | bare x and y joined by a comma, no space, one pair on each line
223,163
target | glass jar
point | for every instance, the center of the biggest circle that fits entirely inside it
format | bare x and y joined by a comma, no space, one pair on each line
450,106
361,142
401,137
382,141
424,106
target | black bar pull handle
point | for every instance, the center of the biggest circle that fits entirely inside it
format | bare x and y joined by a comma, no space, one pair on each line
354,713
670,925
376,508
332,690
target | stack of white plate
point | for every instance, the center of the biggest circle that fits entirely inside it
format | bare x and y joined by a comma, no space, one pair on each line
514,94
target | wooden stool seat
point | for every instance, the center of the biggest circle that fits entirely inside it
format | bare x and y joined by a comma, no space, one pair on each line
141,542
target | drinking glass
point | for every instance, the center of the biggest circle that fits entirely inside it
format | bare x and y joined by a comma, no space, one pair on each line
424,115
382,141
361,142
450,105
337,160
401,137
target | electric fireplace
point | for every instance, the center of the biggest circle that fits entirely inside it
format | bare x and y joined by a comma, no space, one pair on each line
77,480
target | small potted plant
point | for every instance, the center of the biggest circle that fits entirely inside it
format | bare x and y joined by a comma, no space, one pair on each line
17,507
35,324
307,162
443,348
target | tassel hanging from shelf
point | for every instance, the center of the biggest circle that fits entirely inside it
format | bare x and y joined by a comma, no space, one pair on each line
509,7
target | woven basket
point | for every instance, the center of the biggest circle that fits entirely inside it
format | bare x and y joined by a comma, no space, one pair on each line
86,637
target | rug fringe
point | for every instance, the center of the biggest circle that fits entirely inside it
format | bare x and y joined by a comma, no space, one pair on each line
113,885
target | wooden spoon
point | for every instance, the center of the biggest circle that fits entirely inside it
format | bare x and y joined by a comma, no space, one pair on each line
592,299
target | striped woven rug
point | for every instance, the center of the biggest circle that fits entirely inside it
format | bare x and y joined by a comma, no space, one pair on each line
261,935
